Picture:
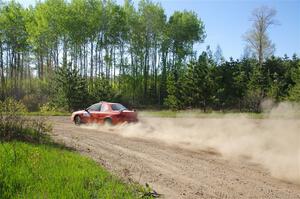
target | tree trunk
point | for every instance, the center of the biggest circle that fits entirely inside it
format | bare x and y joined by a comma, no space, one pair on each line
65,52
3,87
92,63
81,63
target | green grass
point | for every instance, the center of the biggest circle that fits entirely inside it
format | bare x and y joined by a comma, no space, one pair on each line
50,113
198,114
45,171
168,113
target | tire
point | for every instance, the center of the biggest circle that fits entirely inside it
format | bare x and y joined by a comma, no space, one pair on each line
77,120
107,122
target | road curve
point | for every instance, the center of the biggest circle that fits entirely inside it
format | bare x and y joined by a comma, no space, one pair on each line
172,171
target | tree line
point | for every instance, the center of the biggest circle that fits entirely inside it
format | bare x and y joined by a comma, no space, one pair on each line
67,54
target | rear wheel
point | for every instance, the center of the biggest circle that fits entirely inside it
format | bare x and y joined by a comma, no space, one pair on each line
108,122
77,120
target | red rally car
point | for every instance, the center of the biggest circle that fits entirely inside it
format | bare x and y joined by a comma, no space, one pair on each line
104,113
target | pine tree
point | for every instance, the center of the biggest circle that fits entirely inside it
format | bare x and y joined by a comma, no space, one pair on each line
72,90
171,100
101,90
294,93
198,85
255,91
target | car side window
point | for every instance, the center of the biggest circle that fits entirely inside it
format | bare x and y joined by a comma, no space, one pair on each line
118,107
95,107
104,108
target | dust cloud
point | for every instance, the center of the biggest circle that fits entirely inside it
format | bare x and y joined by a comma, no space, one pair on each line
273,141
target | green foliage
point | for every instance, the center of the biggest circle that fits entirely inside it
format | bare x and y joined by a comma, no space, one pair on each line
50,108
101,90
294,92
31,102
172,100
35,171
13,19
256,89
71,89
12,107
197,113
184,29
14,126
73,53
198,83
231,78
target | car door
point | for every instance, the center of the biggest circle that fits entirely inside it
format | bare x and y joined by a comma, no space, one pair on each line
93,112
102,114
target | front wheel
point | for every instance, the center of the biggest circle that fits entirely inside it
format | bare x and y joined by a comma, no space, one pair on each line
77,120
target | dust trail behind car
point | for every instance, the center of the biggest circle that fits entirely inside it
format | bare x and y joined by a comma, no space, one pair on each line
273,142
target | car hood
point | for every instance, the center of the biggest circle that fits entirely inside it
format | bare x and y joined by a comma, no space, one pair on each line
77,113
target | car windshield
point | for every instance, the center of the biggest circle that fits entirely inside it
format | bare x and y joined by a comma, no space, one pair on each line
94,107
118,107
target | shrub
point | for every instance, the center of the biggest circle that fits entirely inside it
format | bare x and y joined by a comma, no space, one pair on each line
31,101
15,126
12,107
50,107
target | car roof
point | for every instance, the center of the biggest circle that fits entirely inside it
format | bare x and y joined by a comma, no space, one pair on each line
108,102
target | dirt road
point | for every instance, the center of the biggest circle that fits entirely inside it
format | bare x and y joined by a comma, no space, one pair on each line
171,170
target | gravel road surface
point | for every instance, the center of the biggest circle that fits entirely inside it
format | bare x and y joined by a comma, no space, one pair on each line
171,170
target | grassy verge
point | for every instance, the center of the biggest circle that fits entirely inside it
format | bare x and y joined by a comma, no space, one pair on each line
166,113
44,171
198,114
50,113
32,166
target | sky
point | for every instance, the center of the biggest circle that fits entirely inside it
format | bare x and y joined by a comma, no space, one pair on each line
226,21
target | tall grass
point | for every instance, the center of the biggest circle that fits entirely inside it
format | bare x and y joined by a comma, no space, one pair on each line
197,114
41,171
